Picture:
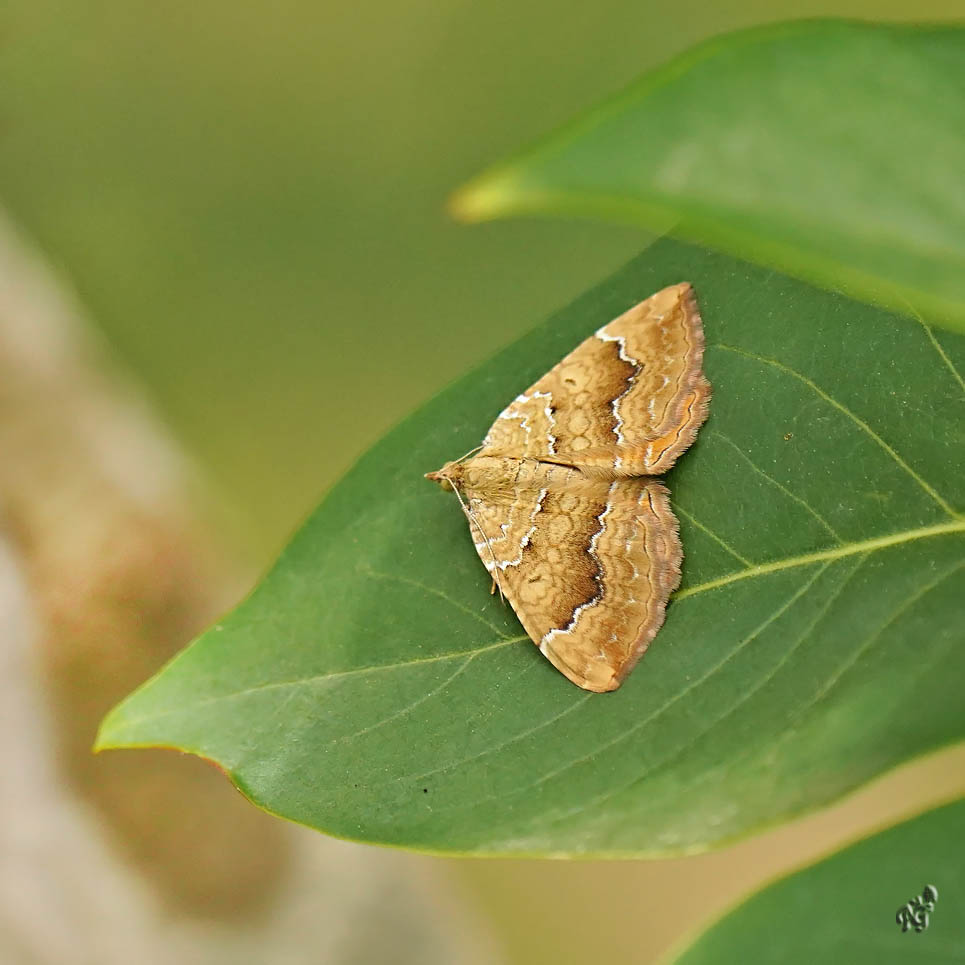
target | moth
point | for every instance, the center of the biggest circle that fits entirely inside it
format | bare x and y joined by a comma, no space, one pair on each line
562,498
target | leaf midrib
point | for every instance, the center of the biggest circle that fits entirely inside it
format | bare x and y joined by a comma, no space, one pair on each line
805,559
762,569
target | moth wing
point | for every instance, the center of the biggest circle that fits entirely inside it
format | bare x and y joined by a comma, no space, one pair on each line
503,524
588,573
629,399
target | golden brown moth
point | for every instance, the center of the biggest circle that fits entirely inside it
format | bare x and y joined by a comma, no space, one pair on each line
561,497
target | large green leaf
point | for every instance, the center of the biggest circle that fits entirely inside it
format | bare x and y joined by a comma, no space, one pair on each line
834,151
843,909
373,688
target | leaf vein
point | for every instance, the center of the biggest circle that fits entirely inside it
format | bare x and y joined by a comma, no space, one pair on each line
858,421
696,522
506,743
863,648
378,574
319,679
793,725
745,694
935,343
624,735
787,492
845,549
412,704
941,351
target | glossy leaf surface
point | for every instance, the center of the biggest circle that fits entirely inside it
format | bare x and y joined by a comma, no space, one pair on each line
830,150
845,907
373,688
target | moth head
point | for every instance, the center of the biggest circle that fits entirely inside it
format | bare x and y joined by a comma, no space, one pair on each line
448,476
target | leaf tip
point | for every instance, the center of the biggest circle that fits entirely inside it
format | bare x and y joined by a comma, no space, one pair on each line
486,197
108,736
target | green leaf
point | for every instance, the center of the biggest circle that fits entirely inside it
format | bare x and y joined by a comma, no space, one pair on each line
833,151
843,909
373,688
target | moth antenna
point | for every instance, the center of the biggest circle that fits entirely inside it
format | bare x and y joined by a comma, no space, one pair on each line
471,452
469,515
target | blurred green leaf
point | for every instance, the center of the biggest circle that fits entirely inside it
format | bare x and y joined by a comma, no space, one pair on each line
371,687
843,909
830,150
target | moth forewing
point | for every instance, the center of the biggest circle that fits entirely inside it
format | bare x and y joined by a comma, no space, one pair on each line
561,503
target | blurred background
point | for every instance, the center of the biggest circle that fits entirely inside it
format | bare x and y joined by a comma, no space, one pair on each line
226,270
